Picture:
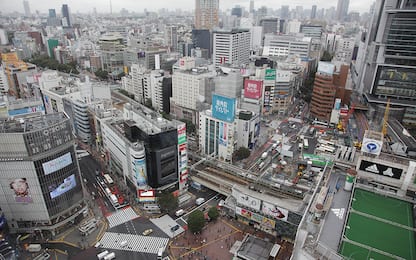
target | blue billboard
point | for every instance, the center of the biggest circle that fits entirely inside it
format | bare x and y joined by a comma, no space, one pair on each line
223,108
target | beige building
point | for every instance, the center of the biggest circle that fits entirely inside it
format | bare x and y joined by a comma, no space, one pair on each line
206,14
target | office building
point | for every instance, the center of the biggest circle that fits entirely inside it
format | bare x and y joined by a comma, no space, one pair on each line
4,84
27,8
201,38
206,14
342,10
284,12
66,17
52,19
270,25
41,184
285,45
313,12
171,37
231,47
112,54
251,6
344,49
237,11
17,72
313,31
389,70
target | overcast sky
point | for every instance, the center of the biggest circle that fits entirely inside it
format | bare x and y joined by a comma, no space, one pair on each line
86,6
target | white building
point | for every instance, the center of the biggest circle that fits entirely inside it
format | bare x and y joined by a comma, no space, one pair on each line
231,46
284,45
4,84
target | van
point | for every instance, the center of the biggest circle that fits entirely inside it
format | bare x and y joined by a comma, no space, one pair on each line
102,255
179,212
199,201
110,256
160,253
123,243
33,248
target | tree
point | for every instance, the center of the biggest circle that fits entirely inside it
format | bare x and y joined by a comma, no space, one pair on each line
190,127
213,213
102,74
241,153
167,202
196,221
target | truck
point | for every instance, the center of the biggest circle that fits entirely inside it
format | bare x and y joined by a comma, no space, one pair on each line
264,155
33,248
199,201
179,213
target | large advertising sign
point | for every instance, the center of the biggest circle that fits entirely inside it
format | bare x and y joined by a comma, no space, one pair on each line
21,190
140,174
222,139
57,163
283,75
381,169
274,211
56,190
146,195
253,88
249,202
26,110
270,74
182,156
371,146
223,108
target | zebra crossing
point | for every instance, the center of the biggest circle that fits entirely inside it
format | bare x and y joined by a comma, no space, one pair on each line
121,216
135,243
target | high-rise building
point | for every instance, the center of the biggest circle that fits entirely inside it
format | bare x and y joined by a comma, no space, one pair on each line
206,14
313,12
66,20
251,6
342,10
284,12
231,46
237,11
285,45
389,71
201,38
269,25
112,53
39,175
26,7
171,37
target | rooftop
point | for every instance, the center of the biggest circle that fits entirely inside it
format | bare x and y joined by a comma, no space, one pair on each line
8,125
253,248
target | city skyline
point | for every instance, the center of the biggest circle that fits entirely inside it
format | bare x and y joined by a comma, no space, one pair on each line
188,5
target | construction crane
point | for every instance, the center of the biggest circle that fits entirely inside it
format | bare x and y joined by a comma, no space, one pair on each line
385,118
344,124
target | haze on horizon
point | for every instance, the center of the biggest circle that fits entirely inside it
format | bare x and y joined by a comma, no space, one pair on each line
134,6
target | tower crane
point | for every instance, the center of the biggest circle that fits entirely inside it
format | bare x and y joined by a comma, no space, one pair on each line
386,118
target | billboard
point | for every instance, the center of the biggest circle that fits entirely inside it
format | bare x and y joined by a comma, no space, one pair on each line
381,169
27,110
253,88
223,108
21,190
139,170
270,74
248,201
57,163
146,195
222,139
371,146
56,190
326,68
274,211
283,75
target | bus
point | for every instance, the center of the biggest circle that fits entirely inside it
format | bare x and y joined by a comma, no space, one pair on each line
305,143
326,148
85,231
319,123
108,179
325,142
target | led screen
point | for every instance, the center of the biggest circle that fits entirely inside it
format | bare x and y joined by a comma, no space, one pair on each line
57,163
68,184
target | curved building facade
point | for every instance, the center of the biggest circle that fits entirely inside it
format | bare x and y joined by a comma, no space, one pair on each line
40,182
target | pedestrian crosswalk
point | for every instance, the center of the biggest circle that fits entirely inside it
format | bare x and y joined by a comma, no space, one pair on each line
136,243
121,216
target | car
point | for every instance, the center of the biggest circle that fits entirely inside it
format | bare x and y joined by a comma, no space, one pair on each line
147,232
174,228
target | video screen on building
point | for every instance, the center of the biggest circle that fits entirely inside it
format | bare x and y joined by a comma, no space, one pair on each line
58,189
57,163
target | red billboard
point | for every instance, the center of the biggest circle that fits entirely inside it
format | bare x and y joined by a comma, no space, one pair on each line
253,88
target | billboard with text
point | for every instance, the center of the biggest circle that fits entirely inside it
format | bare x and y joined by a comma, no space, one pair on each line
223,108
253,88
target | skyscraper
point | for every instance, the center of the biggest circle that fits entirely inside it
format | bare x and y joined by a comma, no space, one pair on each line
206,14
342,10
66,20
251,6
284,12
26,7
313,12
231,46
389,67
